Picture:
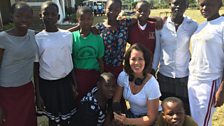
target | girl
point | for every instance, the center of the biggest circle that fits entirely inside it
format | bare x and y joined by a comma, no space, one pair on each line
138,87
88,50
17,55
55,97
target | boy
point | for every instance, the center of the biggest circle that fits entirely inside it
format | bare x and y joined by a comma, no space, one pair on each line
173,53
173,114
206,78
94,109
143,31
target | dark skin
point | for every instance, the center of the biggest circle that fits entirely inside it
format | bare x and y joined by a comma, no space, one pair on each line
22,18
178,7
210,10
49,15
85,22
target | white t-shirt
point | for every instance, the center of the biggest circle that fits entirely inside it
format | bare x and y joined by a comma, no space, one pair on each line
207,45
54,54
138,102
173,54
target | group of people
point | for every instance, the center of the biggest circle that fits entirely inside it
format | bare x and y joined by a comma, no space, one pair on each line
82,78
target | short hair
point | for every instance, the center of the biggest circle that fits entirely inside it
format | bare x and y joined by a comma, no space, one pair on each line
47,4
83,9
105,76
146,55
119,1
18,5
187,2
173,100
144,2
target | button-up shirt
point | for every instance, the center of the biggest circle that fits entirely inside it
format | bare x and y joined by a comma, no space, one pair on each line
173,53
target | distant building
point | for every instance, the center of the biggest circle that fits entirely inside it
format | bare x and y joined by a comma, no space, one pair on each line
6,4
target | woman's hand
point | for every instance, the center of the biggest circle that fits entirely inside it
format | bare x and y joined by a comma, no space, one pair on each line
120,117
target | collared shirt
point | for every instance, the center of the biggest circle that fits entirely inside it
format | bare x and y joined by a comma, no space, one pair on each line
173,53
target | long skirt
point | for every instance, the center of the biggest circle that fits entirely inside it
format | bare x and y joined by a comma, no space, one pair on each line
58,98
18,105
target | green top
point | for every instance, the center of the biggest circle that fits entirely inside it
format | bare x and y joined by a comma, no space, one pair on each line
86,51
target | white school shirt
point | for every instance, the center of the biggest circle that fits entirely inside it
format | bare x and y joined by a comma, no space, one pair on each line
54,54
138,102
207,45
173,53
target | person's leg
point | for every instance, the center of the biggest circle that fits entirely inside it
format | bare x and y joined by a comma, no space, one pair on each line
166,85
201,97
182,92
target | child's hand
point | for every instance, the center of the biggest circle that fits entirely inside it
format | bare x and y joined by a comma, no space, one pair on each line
40,103
219,96
2,117
120,117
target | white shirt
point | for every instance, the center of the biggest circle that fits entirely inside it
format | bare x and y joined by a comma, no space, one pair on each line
207,44
138,102
173,51
54,54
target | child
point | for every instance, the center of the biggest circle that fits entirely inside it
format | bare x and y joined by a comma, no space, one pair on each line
144,31
88,50
173,54
93,107
173,114
17,55
206,78
55,97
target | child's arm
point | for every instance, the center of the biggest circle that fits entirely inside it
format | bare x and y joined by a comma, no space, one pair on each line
93,29
39,100
157,53
219,96
101,64
2,113
1,55
75,28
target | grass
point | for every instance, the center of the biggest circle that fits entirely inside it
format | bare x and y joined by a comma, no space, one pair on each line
218,117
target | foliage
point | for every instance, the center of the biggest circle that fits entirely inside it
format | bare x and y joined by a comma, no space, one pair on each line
8,26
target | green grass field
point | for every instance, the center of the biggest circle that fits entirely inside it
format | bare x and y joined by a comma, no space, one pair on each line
218,118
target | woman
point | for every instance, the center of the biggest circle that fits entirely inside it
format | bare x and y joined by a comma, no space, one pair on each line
138,87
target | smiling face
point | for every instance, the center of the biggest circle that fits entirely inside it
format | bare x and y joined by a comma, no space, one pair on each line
178,7
107,85
85,20
113,8
22,17
137,62
210,8
173,113
49,15
142,11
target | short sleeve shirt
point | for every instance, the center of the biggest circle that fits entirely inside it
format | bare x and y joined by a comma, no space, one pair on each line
138,102
114,42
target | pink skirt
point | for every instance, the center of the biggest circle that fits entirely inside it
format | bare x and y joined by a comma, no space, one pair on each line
18,105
